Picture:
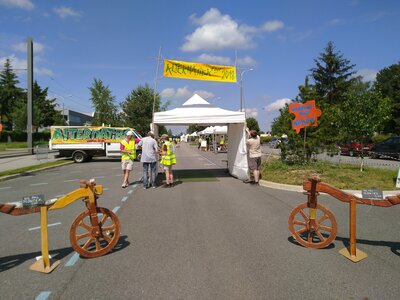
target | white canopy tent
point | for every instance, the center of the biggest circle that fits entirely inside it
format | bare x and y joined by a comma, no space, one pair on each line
197,111
215,130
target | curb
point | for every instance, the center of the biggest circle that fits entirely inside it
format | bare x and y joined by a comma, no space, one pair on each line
299,189
4,178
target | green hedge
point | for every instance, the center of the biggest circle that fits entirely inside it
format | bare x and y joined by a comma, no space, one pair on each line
265,139
19,136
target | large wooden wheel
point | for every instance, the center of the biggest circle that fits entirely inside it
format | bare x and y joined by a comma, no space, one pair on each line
90,240
315,229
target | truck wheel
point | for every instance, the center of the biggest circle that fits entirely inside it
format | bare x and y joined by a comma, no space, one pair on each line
79,156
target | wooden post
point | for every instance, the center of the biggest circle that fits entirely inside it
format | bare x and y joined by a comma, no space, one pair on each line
43,264
354,254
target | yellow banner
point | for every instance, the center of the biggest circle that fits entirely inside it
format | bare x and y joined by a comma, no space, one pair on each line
198,71
87,134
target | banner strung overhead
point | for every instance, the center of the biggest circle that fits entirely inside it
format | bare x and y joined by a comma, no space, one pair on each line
198,71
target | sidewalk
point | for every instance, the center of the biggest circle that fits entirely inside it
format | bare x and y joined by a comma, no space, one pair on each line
22,161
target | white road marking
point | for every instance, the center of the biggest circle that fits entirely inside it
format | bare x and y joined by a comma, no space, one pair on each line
40,183
74,258
214,164
71,180
43,295
48,225
5,188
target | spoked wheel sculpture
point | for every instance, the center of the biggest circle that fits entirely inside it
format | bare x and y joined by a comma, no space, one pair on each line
95,234
312,227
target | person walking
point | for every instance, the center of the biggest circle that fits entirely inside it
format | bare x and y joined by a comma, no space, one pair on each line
168,159
253,146
128,155
149,159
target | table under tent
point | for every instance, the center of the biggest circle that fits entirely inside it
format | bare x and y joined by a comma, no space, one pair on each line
197,111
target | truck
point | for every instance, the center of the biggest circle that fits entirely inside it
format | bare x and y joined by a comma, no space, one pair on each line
84,142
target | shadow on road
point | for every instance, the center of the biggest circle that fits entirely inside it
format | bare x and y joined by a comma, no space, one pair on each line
394,246
9,262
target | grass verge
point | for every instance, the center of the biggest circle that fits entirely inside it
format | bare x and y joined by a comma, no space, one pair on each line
35,167
342,176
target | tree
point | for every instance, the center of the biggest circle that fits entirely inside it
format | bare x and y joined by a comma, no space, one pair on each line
195,128
104,104
44,111
252,124
10,94
137,109
388,83
332,75
363,112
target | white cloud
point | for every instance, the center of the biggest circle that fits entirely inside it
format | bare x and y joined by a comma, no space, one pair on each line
277,104
167,93
24,4
184,93
367,75
217,32
22,47
64,12
272,25
20,66
246,61
214,59
204,94
43,71
251,112
335,21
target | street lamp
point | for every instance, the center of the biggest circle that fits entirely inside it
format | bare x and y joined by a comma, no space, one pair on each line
241,86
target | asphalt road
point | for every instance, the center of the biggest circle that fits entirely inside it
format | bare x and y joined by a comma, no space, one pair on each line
209,237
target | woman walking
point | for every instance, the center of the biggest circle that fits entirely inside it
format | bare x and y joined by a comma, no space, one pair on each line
168,159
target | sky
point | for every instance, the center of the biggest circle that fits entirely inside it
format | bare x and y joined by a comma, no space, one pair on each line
273,43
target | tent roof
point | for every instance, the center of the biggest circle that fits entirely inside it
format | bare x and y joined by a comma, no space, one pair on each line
196,110
215,130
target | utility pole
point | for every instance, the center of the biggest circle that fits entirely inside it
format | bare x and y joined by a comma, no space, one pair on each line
30,93
241,87
152,127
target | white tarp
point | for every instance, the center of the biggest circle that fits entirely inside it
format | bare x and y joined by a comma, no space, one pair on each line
197,111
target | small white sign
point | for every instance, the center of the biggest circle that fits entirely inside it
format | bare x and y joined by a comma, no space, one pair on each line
398,179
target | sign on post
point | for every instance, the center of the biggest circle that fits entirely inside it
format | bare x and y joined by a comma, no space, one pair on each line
305,115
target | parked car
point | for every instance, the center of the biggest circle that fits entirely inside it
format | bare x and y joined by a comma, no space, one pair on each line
274,143
355,147
389,148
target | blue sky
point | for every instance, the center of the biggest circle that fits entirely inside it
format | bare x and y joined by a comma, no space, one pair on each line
118,42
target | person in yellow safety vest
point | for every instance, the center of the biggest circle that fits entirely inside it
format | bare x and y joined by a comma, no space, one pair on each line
168,159
128,152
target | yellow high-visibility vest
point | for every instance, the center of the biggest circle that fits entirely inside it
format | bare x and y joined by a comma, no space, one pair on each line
129,146
169,158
